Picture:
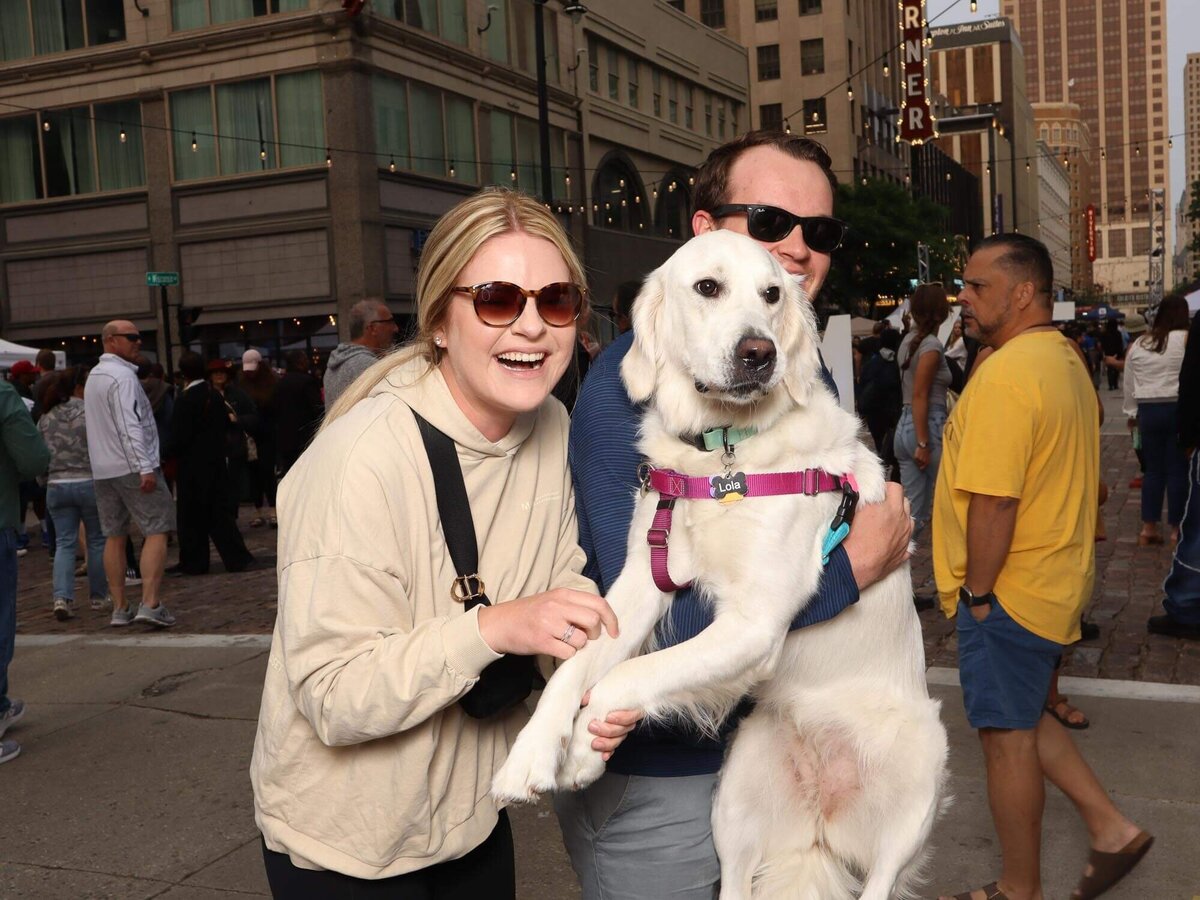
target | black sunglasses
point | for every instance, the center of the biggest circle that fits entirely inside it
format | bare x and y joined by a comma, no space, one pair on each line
770,224
500,303
132,338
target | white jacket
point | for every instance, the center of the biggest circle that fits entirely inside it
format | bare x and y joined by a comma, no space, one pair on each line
364,763
121,434
1150,376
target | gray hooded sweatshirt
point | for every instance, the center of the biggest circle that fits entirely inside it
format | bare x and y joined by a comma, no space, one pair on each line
346,362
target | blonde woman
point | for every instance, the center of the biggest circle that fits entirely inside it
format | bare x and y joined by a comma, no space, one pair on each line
365,765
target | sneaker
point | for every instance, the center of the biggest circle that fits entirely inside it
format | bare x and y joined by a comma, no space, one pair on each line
14,714
9,750
122,617
157,615
132,577
22,551
101,603
1172,627
63,609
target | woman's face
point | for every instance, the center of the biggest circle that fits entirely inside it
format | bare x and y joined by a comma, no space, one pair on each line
956,331
494,374
219,379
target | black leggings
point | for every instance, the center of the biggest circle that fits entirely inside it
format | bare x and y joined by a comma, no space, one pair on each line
486,873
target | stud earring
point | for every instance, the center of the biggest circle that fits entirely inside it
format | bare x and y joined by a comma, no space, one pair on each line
438,341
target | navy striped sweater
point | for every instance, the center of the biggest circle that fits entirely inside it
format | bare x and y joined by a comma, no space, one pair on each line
604,461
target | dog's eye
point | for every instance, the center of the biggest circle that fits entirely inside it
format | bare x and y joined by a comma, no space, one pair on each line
707,287
771,294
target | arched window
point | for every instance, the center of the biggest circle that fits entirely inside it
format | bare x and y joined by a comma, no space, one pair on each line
673,208
618,198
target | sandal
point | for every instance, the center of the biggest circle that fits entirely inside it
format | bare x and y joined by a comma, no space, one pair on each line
1106,869
1064,715
990,892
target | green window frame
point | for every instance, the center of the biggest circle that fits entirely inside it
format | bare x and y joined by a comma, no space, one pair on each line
421,128
41,27
188,14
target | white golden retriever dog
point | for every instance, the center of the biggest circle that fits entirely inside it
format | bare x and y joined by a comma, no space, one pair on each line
832,784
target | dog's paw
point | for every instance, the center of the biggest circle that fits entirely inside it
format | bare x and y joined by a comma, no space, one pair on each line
582,765
530,769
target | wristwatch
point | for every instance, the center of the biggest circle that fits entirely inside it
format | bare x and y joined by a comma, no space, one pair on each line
922,445
965,596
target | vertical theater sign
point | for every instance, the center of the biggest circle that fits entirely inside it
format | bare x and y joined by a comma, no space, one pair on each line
916,118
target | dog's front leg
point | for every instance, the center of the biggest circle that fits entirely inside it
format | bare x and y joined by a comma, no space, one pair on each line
533,763
711,669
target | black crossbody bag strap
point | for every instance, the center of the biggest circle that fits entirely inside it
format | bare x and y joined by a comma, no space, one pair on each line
508,680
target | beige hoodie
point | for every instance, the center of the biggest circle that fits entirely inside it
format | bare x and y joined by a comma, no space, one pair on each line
363,762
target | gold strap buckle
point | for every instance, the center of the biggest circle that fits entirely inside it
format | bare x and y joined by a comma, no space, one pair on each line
467,587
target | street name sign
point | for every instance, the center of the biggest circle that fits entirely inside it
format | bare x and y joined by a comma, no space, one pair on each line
162,279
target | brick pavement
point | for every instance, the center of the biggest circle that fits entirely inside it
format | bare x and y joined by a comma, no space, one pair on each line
1128,581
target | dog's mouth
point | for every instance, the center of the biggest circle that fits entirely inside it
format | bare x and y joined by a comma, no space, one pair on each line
741,389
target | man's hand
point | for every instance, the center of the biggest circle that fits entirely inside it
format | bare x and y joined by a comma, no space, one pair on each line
877,544
613,729
148,482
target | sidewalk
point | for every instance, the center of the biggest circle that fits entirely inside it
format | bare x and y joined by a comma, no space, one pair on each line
133,780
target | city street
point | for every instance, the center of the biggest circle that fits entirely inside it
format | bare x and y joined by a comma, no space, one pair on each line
133,778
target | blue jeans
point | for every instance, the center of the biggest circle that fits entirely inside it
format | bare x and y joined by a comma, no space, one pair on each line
8,609
1165,464
636,837
918,483
69,503
1182,586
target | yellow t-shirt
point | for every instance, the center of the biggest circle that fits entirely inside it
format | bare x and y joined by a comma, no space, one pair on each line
1025,427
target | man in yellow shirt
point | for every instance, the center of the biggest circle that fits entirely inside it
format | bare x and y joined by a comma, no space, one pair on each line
1013,526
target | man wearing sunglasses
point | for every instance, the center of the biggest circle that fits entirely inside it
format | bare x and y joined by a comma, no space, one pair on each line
643,830
372,332
123,446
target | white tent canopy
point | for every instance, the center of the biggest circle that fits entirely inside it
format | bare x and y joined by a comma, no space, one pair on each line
10,353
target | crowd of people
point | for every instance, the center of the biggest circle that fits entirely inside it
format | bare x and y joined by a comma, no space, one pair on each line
407,623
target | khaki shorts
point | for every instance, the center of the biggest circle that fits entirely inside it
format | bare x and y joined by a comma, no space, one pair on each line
121,499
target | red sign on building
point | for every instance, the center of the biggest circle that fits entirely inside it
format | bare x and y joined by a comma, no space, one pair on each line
916,118
1090,219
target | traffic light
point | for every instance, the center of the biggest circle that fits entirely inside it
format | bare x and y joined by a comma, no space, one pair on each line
186,317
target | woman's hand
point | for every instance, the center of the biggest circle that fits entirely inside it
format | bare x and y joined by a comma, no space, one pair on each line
613,729
539,624
922,456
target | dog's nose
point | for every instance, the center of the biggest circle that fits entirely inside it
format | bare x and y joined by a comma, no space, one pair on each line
756,357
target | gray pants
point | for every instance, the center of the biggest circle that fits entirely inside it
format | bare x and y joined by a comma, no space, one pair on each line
632,837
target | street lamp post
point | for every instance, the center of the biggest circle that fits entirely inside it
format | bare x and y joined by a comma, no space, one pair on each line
575,11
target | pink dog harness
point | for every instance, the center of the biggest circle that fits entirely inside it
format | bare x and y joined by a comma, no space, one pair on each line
732,487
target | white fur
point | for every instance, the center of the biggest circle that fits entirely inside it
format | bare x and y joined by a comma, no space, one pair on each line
831,786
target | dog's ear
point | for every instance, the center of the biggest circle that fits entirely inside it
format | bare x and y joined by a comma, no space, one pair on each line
639,369
800,340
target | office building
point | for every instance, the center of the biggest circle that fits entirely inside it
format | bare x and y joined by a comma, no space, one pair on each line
287,159
1054,211
1109,58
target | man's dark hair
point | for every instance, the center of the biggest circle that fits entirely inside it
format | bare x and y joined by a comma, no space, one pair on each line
45,359
1027,258
712,181
296,361
889,339
191,365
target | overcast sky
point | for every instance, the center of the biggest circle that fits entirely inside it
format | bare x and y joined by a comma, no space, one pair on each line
1182,38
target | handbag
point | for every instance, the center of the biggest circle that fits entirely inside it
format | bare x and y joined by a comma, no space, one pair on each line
508,680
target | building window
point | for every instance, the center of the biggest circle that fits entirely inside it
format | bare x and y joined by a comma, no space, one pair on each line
672,214
657,78
617,198
57,26
721,119
673,99
712,13
631,80
708,114
678,4
593,53
770,117
810,7
812,57
768,62
264,123
814,116
423,129
614,74
688,117
199,13
509,39
85,149
766,10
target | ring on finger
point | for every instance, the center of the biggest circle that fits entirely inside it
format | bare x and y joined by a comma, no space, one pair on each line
565,637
